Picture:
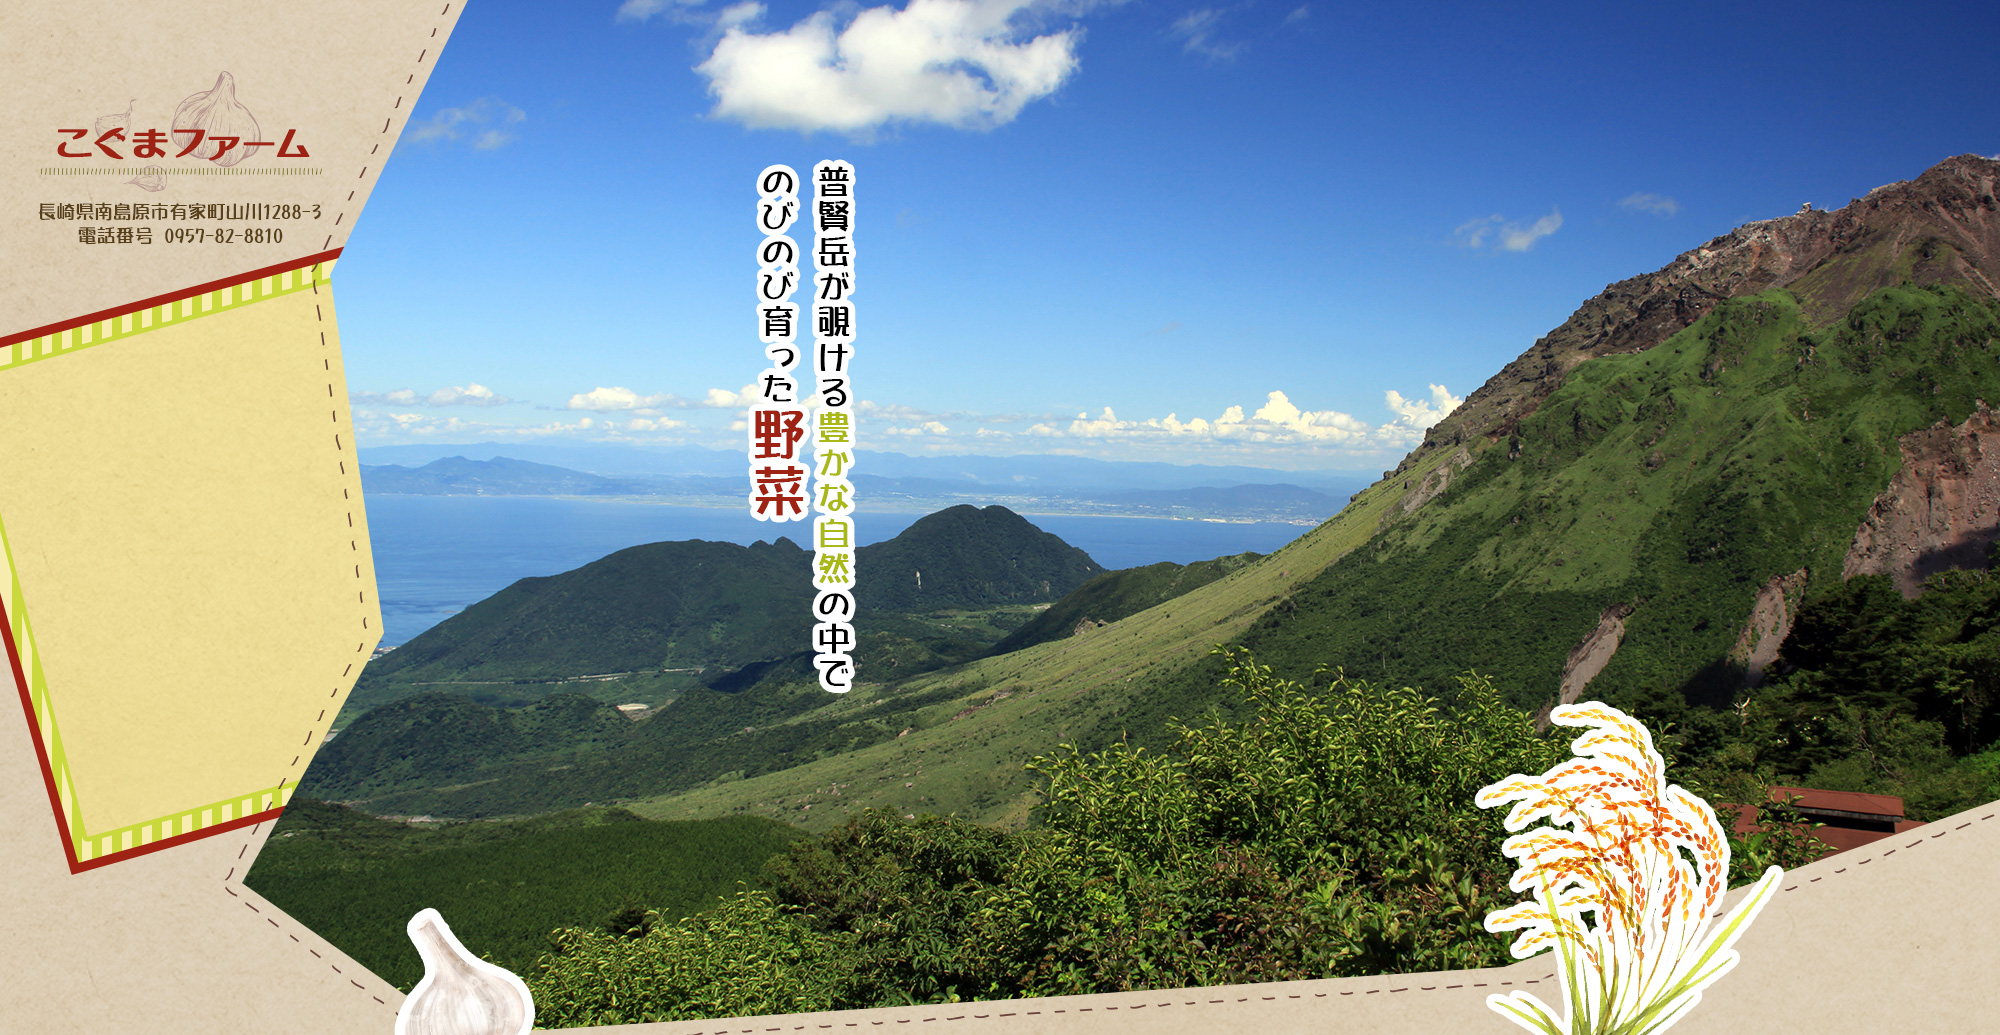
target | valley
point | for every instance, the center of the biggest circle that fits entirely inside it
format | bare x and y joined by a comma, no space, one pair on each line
1746,498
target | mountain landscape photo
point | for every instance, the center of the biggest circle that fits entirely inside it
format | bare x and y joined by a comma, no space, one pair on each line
1751,498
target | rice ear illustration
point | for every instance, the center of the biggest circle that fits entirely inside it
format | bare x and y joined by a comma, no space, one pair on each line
460,994
1625,877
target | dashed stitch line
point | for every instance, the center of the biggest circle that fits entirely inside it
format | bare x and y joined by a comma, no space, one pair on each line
1268,998
387,122
327,365
1091,1009
1865,860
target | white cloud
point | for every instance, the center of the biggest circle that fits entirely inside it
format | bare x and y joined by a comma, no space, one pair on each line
898,411
1197,29
488,121
738,14
1422,413
1299,14
1473,232
724,399
1657,204
1517,239
383,427
960,63
607,400
1279,423
1507,236
640,10
474,394
377,426
1276,433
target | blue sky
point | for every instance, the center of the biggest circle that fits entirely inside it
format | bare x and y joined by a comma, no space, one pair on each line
1105,229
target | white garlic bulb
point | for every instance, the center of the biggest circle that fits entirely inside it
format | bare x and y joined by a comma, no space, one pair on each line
460,994
217,113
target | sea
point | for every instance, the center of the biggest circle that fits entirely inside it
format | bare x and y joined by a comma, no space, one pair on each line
434,555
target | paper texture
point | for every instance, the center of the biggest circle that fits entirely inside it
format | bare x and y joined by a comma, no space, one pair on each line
189,592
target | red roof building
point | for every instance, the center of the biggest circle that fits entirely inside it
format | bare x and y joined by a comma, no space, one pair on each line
1848,819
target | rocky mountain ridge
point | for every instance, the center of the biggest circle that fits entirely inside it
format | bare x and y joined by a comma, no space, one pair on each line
1942,227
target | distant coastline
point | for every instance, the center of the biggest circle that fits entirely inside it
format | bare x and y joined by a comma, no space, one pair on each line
1027,506
436,554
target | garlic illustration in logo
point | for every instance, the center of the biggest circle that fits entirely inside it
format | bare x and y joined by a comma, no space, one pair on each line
116,120
218,114
151,178
460,994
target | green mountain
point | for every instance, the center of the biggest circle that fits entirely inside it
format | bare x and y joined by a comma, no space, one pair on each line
968,557
436,726
1660,490
704,609
684,605
1688,442
1639,504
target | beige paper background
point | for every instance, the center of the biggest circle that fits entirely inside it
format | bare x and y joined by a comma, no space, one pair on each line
195,469
1892,938
345,75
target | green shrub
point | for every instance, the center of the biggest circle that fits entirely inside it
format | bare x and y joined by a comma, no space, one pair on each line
748,956
1334,832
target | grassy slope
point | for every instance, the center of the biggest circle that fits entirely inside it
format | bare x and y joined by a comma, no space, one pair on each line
444,738
1679,479
1119,594
1074,688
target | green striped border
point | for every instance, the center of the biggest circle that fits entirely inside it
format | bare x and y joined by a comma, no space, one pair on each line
139,835
177,311
38,690
87,845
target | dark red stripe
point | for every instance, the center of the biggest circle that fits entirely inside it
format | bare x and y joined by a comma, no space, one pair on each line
55,796
35,733
148,303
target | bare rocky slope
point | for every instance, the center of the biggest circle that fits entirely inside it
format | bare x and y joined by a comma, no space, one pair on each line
1942,511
